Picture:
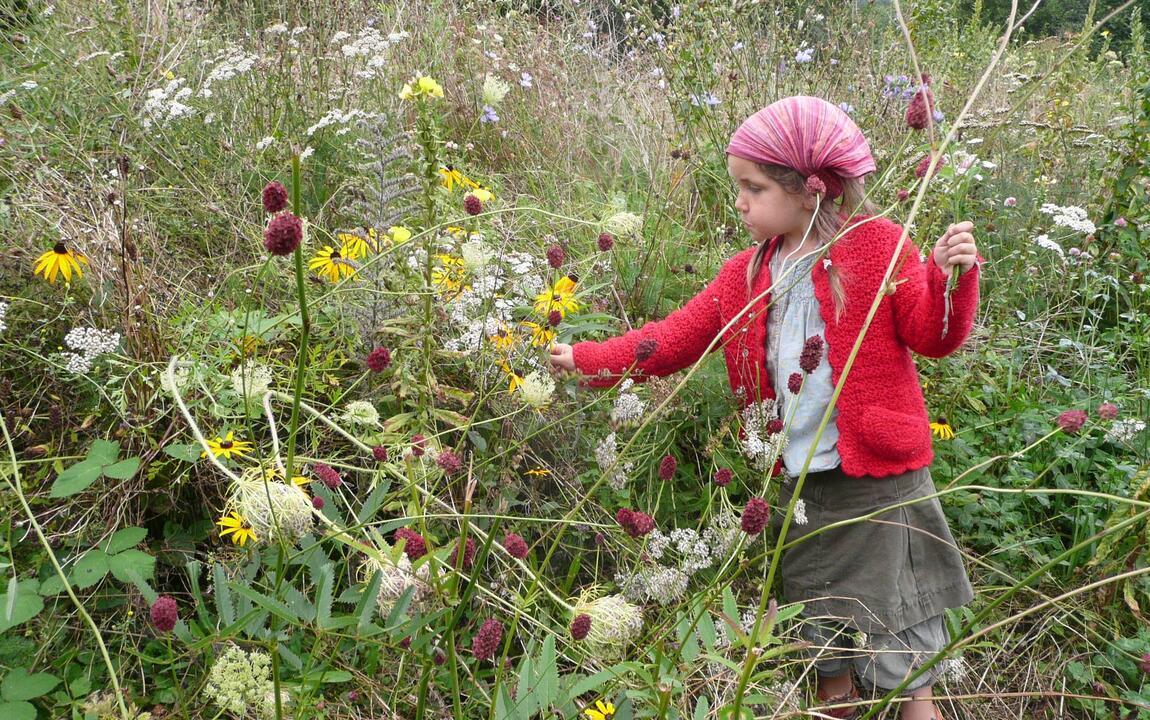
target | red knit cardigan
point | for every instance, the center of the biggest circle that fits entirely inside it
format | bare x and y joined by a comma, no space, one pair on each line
883,424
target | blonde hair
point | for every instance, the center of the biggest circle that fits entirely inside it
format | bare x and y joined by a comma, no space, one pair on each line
827,222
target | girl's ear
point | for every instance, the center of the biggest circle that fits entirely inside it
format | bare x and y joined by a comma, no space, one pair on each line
810,201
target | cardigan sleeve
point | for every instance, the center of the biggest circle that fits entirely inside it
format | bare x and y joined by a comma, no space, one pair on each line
680,339
919,305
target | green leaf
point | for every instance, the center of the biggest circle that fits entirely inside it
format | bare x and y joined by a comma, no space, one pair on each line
548,686
188,452
104,452
324,597
21,685
132,566
125,538
270,604
20,606
76,478
89,569
368,602
702,707
17,711
123,469
224,608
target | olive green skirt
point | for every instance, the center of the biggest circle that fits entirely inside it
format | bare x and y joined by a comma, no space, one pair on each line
882,574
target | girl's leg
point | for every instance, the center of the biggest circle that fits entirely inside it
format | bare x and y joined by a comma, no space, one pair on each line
922,707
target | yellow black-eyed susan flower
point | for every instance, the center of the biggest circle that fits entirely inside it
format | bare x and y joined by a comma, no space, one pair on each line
358,244
502,338
942,429
514,379
601,711
60,260
332,264
453,177
227,446
541,335
559,298
450,274
239,528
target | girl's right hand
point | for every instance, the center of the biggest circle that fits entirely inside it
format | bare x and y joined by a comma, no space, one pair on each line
562,357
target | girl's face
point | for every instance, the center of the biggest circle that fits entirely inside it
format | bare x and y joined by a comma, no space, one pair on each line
766,208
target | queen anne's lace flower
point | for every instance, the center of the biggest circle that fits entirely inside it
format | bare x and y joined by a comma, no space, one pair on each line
615,624
654,583
251,380
395,579
240,683
537,389
1070,217
272,507
360,412
760,445
623,224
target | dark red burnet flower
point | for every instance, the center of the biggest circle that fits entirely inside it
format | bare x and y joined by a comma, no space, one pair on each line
774,426
812,354
902,195
635,523
924,163
486,642
921,107
795,383
1107,411
439,657
468,554
580,626
606,241
1144,663
516,545
755,516
379,452
275,197
449,462
327,475
379,359
414,546
645,349
1071,421
667,467
417,442
164,613
554,318
723,477
556,256
283,234
472,204
317,502
405,643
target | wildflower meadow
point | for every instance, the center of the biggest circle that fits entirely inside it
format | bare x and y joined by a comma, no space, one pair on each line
278,285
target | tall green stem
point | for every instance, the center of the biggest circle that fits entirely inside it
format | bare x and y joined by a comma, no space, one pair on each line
305,326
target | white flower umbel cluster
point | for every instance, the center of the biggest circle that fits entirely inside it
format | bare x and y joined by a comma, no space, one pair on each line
229,63
165,104
623,224
628,407
339,117
367,43
240,683
1069,217
1123,431
476,254
537,389
395,579
722,536
3,313
606,454
760,446
360,412
615,624
494,90
251,380
273,508
87,344
800,514
1043,241
654,583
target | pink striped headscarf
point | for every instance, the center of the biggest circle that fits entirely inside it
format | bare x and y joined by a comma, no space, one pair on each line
810,135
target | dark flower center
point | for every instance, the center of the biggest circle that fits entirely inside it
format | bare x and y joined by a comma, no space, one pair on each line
60,249
226,445
335,255
556,296
941,420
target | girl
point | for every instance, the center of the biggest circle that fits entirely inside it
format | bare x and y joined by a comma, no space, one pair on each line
799,166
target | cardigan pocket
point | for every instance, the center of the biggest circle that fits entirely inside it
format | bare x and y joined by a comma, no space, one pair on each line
894,435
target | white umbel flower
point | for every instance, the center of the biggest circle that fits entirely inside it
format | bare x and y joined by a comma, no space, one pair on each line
494,90
240,683
615,624
800,514
536,390
272,508
476,255
360,412
623,224
395,579
251,380
628,407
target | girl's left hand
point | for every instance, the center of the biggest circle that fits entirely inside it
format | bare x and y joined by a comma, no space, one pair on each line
956,247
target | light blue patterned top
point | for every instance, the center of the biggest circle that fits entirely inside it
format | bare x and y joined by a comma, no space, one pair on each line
794,317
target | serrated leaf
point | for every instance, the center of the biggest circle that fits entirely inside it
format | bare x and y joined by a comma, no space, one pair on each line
123,469
369,601
275,607
89,569
52,585
323,597
17,710
548,673
76,478
22,685
130,566
224,609
125,538
187,452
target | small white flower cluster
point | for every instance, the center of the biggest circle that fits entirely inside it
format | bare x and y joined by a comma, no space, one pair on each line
360,412
251,380
231,62
800,514
240,683
494,90
628,407
88,344
339,117
272,508
1044,241
371,44
1070,217
606,454
476,254
954,669
165,104
655,583
265,143
3,312
536,390
722,536
694,553
761,447
1122,431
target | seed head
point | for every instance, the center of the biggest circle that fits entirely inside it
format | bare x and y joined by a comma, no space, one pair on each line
317,502
795,383
414,546
1071,421
468,554
918,113
486,641
555,256
723,477
667,467
449,462
812,354
472,204
903,195
606,241
379,452
554,318
645,349
327,475
1107,411
635,523
417,443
